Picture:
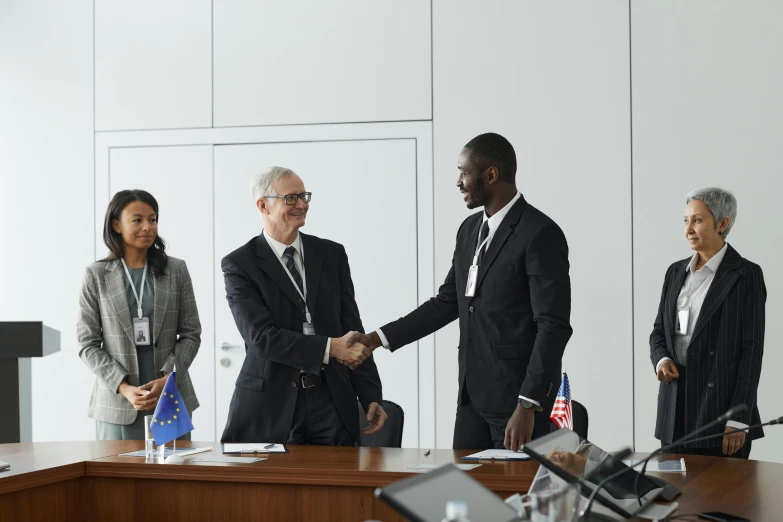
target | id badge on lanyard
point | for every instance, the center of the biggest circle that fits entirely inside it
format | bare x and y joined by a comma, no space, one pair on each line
307,327
470,288
141,324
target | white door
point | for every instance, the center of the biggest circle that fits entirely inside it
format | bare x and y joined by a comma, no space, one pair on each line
364,197
180,179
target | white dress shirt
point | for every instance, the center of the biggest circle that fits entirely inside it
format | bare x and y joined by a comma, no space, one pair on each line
279,249
694,290
494,222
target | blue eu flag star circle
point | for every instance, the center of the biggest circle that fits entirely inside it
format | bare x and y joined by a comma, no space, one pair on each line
169,422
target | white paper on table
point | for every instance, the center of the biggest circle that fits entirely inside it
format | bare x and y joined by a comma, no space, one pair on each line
495,454
229,460
463,467
655,467
260,447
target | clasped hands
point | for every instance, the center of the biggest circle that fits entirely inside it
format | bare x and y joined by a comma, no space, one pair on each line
353,348
144,397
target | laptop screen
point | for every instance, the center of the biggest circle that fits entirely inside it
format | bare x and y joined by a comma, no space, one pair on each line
570,459
423,498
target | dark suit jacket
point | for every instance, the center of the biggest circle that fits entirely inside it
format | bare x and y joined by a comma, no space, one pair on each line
262,299
724,356
514,330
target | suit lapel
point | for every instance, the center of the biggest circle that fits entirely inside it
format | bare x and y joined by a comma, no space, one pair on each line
115,285
501,235
724,280
313,264
271,264
670,315
162,291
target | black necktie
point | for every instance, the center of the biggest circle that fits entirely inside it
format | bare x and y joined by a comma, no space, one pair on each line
288,257
482,236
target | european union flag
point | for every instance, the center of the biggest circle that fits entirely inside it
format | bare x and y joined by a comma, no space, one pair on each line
171,419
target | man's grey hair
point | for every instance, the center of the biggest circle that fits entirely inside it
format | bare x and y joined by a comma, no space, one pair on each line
262,182
721,203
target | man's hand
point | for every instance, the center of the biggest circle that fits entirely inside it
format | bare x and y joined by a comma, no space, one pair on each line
377,418
732,443
371,340
347,351
667,372
519,429
138,397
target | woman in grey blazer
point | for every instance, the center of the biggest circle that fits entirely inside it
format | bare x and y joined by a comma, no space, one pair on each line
137,320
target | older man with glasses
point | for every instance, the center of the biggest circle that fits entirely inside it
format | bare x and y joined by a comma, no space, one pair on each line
293,301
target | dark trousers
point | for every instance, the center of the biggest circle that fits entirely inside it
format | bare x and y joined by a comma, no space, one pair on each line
477,430
679,429
316,420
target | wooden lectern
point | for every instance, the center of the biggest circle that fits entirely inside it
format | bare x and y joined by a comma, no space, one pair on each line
19,341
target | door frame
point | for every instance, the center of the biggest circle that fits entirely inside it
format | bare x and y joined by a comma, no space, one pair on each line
420,131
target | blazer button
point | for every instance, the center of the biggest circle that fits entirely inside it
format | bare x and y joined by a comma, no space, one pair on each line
710,385
293,383
712,353
470,309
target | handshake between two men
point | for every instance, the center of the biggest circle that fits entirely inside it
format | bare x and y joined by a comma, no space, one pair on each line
354,348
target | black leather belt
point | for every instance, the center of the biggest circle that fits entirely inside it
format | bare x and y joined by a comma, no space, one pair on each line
308,380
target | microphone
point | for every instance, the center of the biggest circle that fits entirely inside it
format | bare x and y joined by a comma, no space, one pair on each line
584,515
730,414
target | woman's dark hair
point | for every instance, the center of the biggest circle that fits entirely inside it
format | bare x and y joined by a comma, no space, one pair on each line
156,255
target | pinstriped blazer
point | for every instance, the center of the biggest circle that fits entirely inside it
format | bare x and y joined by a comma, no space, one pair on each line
724,356
106,342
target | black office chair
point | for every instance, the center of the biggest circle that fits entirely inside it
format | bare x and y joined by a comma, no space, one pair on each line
579,415
390,435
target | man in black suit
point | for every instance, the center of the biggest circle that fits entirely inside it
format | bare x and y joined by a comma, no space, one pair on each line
513,318
292,299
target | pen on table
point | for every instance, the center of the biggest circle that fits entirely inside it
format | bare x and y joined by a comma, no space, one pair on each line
427,453
270,446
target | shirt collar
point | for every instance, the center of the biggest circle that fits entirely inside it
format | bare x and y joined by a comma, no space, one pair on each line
497,217
279,247
712,264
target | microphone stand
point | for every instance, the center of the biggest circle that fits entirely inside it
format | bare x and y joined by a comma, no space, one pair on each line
585,514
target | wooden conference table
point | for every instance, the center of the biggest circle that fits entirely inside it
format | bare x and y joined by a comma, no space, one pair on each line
86,481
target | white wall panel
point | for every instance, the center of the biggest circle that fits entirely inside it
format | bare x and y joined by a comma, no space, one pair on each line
46,195
180,179
153,66
286,62
707,112
552,77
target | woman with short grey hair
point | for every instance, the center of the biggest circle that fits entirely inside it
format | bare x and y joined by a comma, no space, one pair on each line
708,339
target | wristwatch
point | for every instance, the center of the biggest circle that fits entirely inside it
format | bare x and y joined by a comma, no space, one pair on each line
529,405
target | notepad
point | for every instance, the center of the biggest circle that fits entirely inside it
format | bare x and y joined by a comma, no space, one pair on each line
229,460
494,454
260,447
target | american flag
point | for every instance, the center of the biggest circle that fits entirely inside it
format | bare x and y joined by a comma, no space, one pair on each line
561,413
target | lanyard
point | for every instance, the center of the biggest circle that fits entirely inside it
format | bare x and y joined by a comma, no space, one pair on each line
300,251
139,297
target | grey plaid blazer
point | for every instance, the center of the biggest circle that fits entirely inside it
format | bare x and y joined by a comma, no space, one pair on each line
105,335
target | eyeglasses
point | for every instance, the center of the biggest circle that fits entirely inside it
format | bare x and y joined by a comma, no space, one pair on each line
291,199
